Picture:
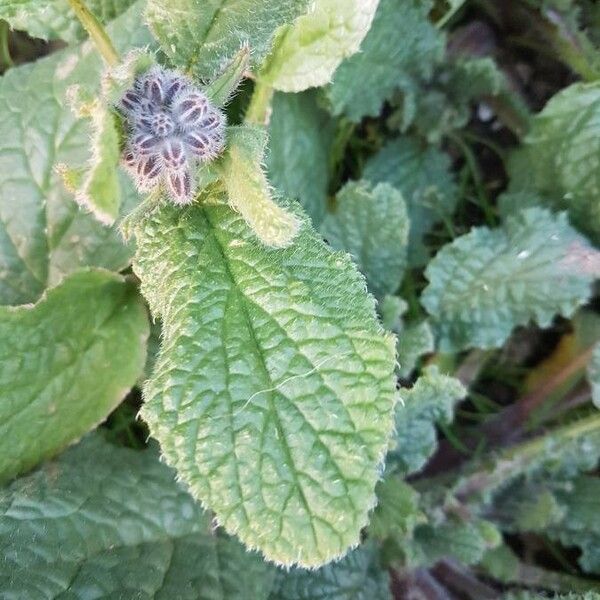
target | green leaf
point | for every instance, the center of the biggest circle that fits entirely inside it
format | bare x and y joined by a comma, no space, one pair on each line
384,64
371,224
300,138
397,512
423,175
358,576
108,522
307,52
431,400
561,156
580,526
51,19
487,282
65,363
273,393
221,89
43,233
438,105
414,341
593,373
199,36
391,309
464,541
100,190
248,190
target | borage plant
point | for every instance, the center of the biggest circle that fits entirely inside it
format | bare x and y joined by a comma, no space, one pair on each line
164,212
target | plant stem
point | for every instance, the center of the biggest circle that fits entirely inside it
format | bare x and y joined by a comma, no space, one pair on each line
96,32
5,57
259,110
512,460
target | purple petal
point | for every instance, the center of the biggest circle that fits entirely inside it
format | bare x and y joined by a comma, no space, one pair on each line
173,154
144,143
212,121
180,186
198,142
190,107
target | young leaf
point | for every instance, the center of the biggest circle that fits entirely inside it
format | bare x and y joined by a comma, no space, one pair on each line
43,233
593,373
400,45
65,363
100,190
431,400
580,527
487,282
422,174
371,224
199,36
273,393
52,19
300,137
220,90
397,512
561,156
358,576
307,52
415,340
109,522
248,189
464,541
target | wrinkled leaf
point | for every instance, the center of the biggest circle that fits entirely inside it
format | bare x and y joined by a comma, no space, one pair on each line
431,400
357,576
488,281
300,136
51,19
307,52
371,224
422,174
415,340
65,363
199,36
273,392
108,522
560,157
401,45
43,233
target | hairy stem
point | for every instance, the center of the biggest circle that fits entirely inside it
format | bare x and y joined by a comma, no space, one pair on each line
96,32
259,110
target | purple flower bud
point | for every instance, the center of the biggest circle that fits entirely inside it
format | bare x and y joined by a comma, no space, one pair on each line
172,127
162,125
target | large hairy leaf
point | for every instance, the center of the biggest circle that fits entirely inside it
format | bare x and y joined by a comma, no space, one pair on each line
357,576
400,46
65,363
422,174
371,224
50,19
107,522
199,36
300,136
307,52
273,393
43,233
561,156
487,282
